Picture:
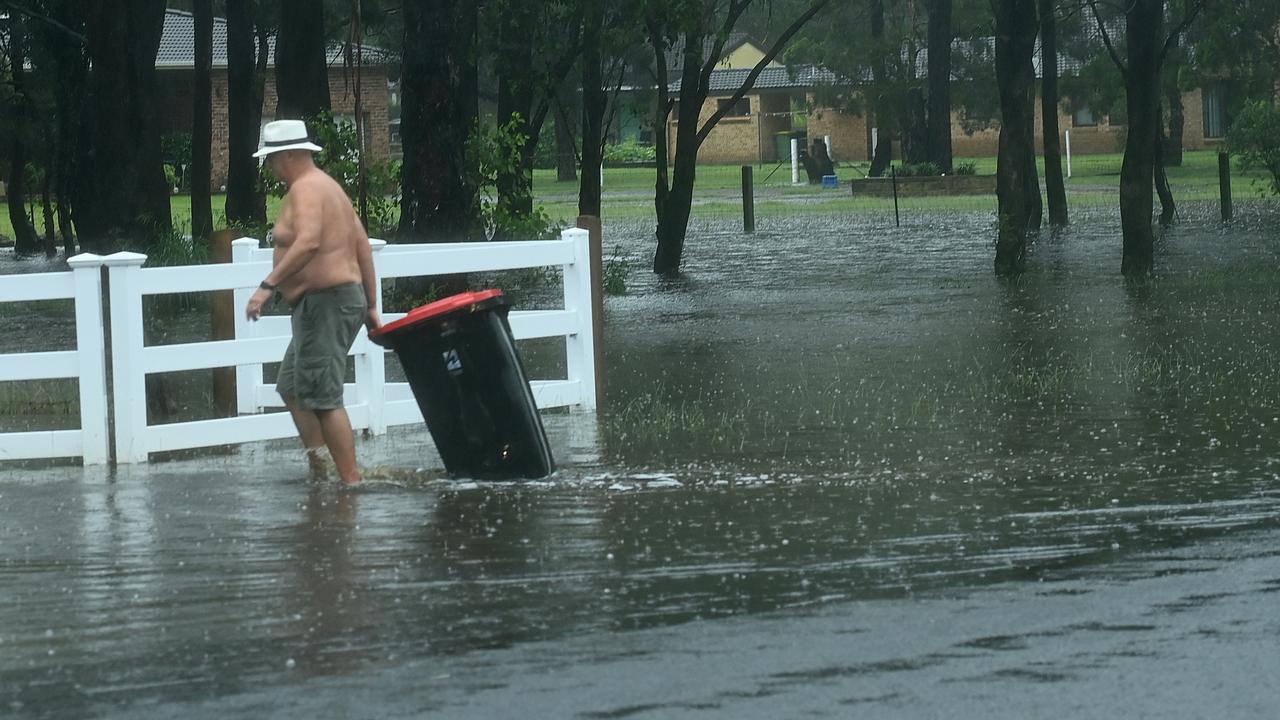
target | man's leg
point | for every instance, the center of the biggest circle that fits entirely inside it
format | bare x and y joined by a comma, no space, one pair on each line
336,429
311,434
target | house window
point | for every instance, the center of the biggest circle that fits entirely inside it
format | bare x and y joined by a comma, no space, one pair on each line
1215,110
1083,117
742,108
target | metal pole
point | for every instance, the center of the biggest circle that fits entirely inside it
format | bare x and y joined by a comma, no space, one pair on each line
1224,184
893,173
795,161
748,200
1068,134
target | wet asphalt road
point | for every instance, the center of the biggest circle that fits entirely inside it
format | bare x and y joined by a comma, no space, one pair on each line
844,473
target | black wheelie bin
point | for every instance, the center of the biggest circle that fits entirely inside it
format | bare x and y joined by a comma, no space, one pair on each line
465,372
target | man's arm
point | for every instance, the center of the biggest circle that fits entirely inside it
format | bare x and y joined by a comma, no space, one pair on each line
368,278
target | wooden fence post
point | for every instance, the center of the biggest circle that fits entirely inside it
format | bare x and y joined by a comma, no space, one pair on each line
224,327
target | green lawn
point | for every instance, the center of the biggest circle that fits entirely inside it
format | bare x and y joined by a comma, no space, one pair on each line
628,192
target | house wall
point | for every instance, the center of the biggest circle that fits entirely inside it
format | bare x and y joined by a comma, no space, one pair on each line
751,140
177,97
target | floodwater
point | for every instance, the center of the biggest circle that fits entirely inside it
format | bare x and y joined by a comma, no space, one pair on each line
843,470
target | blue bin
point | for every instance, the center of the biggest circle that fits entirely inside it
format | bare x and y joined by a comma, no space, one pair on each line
830,182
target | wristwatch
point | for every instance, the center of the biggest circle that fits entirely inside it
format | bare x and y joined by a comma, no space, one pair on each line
267,286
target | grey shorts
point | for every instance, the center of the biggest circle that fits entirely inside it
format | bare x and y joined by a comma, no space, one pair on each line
325,323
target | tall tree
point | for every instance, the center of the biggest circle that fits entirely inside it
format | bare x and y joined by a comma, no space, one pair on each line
704,30
939,112
1017,23
1055,186
246,76
63,61
25,241
440,104
122,195
302,71
537,44
1146,45
884,109
202,121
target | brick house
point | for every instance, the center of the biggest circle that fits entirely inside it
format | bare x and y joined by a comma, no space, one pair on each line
783,104
175,66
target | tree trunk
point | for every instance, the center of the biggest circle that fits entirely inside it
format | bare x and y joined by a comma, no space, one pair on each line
1168,208
25,239
122,196
915,128
1016,24
245,205
1035,203
515,72
1055,186
46,202
302,71
939,113
886,123
439,203
1142,99
202,123
594,100
1172,154
673,219
566,152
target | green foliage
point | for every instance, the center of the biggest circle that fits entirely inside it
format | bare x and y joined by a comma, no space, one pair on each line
1255,138
924,169
171,179
965,168
616,270
629,152
494,151
340,159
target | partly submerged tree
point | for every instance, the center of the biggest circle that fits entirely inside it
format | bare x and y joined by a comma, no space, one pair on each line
1017,22
440,106
246,76
122,196
302,69
702,29
1055,186
1146,44
202,121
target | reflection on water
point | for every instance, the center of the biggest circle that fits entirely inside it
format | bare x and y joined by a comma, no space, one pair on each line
825,410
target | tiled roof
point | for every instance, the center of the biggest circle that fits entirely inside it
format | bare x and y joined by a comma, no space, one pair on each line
178,43
771,78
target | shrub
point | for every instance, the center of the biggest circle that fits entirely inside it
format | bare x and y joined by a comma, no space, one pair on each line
629,152
965,168
924,169
1254,137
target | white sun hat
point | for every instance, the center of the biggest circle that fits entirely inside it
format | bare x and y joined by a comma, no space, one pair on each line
280,135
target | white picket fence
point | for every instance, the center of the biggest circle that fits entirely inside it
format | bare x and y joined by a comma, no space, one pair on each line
83,283
372,403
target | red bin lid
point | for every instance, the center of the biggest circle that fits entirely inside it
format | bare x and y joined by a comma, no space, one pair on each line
438,308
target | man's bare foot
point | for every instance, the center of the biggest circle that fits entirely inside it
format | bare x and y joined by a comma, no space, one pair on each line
320,463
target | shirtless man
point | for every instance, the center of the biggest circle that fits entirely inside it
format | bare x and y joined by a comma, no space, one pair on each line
323,266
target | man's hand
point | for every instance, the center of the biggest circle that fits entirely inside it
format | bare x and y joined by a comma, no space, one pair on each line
253,310
373,321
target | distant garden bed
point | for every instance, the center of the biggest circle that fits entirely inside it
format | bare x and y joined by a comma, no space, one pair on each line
925,186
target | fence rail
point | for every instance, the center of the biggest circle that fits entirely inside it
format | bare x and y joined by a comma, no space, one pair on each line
372,403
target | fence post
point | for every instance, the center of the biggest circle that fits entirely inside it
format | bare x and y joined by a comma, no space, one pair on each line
222,319
248,377
1068,135
1224,184
86,269
748,200
371,370
580,347
128,375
